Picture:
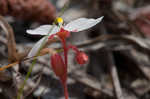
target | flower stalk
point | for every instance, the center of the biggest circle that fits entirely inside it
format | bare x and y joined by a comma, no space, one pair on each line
32,66
65,89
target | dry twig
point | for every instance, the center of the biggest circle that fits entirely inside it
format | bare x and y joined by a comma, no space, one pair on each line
11,44
114,76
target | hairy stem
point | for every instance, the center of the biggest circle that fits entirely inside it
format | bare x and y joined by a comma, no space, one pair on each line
63,81
65,91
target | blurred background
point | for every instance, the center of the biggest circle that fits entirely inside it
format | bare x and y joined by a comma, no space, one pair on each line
118,49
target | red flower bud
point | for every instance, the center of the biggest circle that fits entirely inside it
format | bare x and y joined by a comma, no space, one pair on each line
58,65
81,58
63,33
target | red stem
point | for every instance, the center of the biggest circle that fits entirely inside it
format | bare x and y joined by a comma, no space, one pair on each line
74,48
65,90
64,84
64,79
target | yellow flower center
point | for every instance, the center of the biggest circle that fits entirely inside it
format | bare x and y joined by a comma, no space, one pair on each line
59,20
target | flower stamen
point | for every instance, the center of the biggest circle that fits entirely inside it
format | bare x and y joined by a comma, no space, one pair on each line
59,20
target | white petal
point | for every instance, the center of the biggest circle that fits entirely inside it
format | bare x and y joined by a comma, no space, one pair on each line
82,24
36,47
43,30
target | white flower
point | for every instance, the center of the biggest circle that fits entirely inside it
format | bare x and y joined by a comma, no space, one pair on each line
74,26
